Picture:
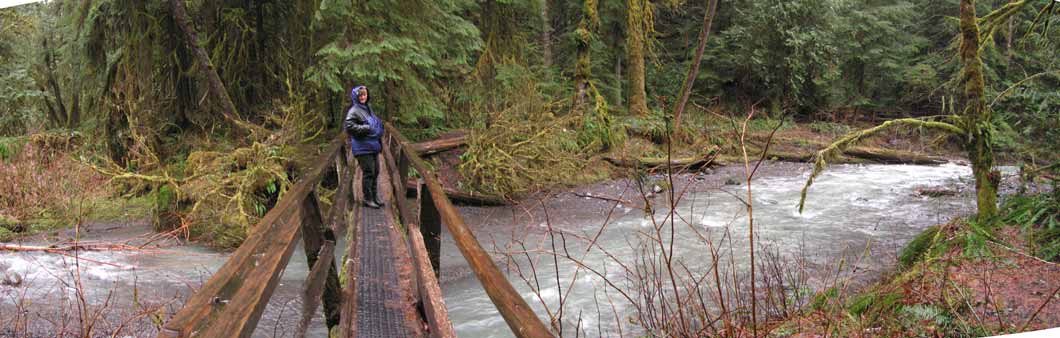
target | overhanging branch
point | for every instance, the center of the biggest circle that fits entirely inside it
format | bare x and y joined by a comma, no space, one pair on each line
821,158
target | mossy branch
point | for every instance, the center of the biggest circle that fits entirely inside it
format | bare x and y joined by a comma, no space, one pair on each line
821,158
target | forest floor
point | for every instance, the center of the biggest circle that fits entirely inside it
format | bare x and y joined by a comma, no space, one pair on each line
1000,290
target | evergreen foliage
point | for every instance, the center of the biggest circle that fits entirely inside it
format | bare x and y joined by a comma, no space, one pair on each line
590,73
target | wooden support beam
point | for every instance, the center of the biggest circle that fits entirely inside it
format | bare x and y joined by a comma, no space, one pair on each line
408,280
430,291
517,313
352,262
314,288
325,281
431,229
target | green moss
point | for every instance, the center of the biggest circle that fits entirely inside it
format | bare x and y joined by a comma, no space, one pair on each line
919,246
121,209
10,147
823,299
6,235
7,221
165,208
874,305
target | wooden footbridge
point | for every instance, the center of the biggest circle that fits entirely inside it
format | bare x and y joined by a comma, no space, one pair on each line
389,286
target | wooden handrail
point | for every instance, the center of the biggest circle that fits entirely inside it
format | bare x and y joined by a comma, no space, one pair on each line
522,320
231,302
227,305
427,292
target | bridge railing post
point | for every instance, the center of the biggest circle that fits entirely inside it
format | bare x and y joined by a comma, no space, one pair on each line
430,225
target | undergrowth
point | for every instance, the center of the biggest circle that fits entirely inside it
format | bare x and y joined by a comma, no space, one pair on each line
532,142
925,297
218,191
42,186
1038,216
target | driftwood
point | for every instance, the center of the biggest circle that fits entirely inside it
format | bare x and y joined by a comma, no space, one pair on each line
864,154
695,162
893,156
460,197
439,145
650,162
872,154
627,203
67,247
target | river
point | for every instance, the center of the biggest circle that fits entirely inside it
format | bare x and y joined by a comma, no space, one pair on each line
849,208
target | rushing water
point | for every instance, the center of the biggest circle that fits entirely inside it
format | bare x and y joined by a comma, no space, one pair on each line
849,207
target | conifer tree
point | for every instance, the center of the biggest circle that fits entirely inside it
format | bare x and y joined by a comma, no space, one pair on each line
402,48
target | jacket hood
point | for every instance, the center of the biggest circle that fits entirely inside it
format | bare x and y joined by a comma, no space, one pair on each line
353,95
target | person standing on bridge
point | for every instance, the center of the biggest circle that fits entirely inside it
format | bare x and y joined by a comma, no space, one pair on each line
366,131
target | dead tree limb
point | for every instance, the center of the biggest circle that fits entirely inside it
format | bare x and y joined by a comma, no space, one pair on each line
693,70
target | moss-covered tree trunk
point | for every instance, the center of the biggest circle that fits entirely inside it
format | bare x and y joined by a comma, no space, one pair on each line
977,115
206,68
583,67
638,28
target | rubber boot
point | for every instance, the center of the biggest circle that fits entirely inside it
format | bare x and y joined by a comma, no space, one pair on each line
370,198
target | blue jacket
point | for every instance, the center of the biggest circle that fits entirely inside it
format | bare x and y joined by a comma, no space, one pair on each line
363,126
365,129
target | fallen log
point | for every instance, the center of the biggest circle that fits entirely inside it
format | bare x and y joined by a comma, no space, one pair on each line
461,197
864,154
658,162
439,145
67,247
789,157
893,156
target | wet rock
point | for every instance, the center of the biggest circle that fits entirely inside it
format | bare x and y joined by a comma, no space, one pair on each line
13,279
732,181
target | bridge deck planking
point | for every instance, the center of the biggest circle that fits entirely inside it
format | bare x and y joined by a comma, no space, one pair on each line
380,300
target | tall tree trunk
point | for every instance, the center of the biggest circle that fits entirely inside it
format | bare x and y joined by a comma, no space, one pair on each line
216,87
52,114
616,44
60,115
693,69
583,68
546,34
638,30
977,115
74,119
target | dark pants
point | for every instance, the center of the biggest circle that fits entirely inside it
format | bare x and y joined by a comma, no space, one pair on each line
370,168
